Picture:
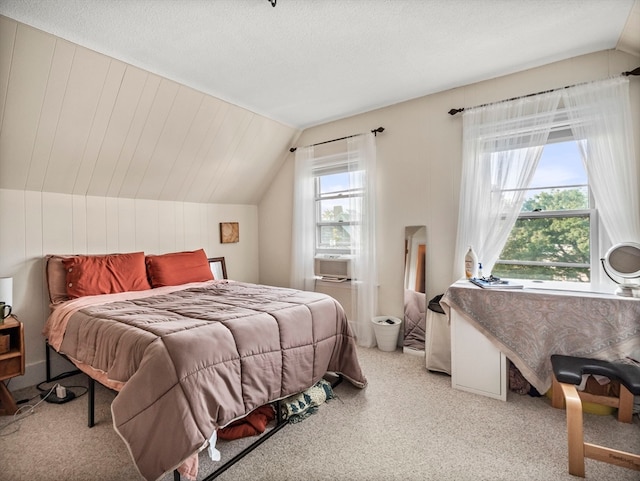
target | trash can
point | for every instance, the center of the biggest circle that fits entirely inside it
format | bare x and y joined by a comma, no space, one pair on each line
386,329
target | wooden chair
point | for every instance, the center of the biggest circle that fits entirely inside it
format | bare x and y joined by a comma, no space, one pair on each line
567,374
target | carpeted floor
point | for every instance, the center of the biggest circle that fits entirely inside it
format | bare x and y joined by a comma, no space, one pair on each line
408,424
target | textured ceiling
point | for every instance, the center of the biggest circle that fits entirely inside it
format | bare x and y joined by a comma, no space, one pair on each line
306,62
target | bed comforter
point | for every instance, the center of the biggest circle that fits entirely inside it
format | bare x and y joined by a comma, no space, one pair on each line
195,359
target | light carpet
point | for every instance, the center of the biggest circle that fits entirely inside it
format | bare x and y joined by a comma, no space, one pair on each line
408,424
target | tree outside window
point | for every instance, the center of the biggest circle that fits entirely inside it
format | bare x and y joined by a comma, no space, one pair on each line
552,238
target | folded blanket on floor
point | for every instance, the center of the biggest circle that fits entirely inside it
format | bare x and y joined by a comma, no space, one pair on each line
252,424
299,406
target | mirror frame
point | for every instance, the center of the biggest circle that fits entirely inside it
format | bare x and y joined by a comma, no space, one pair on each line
616,251
414,281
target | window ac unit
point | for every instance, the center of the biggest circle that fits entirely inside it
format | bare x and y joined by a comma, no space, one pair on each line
333,267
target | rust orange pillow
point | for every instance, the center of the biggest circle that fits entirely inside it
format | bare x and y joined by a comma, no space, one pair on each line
107,274
178,268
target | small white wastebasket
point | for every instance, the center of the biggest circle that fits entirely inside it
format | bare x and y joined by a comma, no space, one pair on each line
386,329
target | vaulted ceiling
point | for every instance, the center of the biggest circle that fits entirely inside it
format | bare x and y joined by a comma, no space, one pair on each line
199,101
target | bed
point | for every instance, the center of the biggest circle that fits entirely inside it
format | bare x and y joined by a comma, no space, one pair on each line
187,353
415,307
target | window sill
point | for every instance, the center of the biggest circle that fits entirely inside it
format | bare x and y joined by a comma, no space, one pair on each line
348,284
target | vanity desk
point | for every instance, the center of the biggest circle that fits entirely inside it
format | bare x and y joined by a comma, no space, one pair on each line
526,326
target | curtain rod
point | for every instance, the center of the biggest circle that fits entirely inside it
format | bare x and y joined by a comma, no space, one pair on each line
374,132
635,71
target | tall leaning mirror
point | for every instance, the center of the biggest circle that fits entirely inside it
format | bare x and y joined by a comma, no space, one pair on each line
415,298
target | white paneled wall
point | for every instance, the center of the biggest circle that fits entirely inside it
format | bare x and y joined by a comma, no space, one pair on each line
75,121
35,224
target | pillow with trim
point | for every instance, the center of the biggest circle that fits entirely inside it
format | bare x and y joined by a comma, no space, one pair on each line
178,268
56,275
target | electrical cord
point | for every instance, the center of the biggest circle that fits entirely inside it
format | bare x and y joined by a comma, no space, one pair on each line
63,376
23,412
27,409
57,378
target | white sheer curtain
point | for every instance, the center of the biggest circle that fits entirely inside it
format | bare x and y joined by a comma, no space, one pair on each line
600,116
502,144
303,230
362,159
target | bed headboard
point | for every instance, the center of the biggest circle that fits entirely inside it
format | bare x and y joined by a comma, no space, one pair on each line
155,270
218,267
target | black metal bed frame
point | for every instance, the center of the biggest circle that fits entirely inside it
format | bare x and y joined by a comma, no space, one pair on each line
281,422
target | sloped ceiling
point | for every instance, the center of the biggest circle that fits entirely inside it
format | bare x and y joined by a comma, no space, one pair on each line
199,100
78,122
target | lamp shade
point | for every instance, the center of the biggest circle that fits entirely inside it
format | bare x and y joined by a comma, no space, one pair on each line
6,290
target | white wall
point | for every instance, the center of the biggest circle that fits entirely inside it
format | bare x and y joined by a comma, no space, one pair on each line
35,224
419,166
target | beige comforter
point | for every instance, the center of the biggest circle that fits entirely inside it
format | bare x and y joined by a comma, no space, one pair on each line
195,359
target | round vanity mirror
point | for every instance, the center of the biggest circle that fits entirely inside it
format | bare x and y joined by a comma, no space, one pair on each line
623,260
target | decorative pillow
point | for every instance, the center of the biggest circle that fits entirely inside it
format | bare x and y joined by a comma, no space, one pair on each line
178,268
107,274
57,278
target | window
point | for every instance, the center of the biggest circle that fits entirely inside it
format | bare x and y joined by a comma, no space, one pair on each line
549,239
338,203
554,234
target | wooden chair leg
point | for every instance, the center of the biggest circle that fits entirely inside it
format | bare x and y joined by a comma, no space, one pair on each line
625,405
575,432
557,398
7,403
612,456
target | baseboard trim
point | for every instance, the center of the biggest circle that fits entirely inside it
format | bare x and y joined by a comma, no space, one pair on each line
36,372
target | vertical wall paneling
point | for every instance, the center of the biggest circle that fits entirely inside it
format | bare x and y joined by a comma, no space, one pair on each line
126,225
147,225
192,230
121,116
204,161
99,125
77,115
216,156
78,122
263,140
12,240
167,227
244,150
149,138
170,141
79,225
32,303
30,66
111,225
187,158
7,38
239,120
131,105
96,211
57,223
50,114
126,164
179,233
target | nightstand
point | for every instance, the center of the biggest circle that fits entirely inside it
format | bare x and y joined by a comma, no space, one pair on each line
11,360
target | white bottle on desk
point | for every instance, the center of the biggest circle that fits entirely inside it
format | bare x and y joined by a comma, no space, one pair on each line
470,263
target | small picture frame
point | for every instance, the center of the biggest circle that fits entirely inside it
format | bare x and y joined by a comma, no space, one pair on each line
229,232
